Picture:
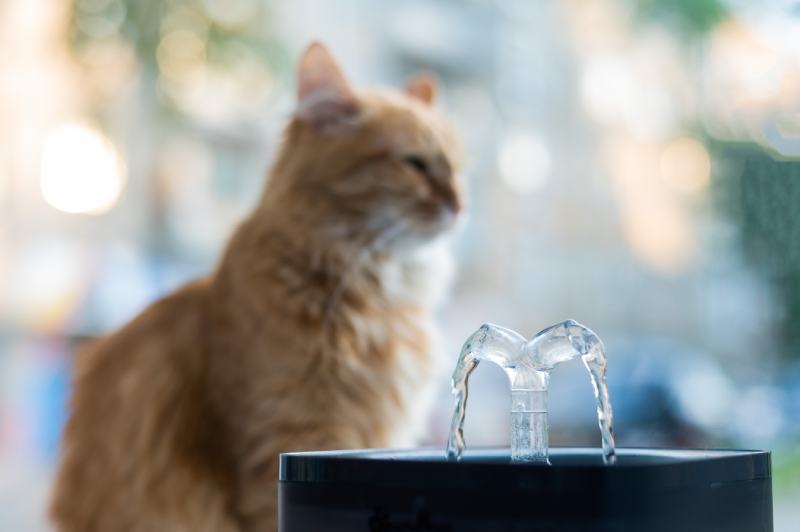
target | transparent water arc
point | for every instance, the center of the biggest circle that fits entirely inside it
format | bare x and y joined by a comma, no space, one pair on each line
527,364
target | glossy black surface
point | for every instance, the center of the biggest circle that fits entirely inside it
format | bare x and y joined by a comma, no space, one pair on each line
646,490
669,467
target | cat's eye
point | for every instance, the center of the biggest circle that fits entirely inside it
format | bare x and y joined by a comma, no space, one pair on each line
417,163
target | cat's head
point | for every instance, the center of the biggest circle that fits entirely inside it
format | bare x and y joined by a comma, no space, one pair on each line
369,162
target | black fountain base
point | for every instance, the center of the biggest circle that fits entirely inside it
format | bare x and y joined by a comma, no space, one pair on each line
647,490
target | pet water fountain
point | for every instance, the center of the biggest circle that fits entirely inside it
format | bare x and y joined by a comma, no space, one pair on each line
529,487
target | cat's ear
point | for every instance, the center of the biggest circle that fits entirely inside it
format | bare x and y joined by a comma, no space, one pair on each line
423,87
324,98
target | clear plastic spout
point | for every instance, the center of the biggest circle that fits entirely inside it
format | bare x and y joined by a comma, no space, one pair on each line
527,364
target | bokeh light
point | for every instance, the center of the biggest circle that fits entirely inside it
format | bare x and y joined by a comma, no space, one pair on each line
81,171
608,87
180,54
231,13
686,165
523,161
621,89
657,227
747,69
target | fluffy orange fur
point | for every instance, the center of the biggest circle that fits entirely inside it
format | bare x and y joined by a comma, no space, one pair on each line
314,331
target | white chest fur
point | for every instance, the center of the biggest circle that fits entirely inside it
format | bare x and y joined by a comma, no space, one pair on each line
421,277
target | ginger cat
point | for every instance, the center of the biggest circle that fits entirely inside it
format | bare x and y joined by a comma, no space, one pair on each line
314,331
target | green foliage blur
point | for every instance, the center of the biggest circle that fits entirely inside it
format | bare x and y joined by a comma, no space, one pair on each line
758,191
694,17
227,31
761,194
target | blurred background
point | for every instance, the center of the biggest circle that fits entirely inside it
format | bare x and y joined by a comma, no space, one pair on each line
634,165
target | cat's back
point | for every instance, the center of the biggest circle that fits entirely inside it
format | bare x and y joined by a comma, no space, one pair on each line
155,337
148,355
137,414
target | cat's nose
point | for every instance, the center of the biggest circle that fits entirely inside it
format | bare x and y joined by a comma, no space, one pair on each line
446,198
452,201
